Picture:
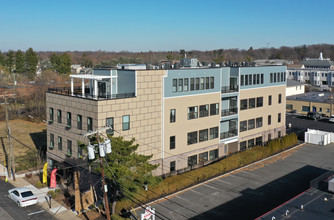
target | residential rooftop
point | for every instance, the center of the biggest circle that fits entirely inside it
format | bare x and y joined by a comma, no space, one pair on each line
291,83
322,97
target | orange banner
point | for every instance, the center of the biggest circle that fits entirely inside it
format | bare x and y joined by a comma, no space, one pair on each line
53,182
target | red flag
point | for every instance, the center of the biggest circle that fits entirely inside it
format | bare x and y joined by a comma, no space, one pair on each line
53,178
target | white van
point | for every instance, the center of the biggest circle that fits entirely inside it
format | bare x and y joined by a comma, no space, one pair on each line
331,118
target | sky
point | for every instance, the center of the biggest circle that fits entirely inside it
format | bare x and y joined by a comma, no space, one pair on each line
144,25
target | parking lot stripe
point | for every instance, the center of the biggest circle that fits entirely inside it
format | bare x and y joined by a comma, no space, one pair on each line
34,213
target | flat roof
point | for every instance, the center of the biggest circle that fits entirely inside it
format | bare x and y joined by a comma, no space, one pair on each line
321,97
291,82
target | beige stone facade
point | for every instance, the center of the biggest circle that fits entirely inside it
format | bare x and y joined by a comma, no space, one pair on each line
326,108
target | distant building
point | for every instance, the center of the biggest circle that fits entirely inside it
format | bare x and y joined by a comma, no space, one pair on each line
76,68
131,66
294,87
189,62
270,62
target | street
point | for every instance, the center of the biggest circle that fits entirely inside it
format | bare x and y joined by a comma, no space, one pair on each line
9,210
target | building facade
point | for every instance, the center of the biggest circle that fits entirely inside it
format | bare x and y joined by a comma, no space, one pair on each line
183,117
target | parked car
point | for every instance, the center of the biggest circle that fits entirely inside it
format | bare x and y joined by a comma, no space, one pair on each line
331,118
313,115
22,196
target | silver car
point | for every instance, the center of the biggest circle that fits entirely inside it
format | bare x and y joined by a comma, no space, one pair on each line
22,196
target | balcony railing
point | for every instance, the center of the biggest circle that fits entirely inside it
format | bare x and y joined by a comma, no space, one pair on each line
228,134
231,111
228,89
86,95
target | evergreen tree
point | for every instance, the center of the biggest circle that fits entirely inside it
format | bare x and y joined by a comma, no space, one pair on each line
65,63
85,61
10,60
2,60
19,61
55,62
31,60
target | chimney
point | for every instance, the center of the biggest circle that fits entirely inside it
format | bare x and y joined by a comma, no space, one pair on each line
321,58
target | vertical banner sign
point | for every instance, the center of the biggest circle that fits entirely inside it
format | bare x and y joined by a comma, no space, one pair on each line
53,178
45,173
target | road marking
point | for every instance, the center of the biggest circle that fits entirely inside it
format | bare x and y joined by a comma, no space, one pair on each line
249,173
224,181
209,186
197,192
34,213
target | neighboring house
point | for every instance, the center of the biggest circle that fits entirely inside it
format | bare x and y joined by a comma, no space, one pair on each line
315,71
76,68
270,62
294,87
189,62
321,102
131,66
183,117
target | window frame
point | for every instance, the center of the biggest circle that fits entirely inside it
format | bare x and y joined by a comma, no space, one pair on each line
251,103
204,112
192,137
89,124
214,133
59,116
52,142
110,131
172,115
259,102
243,125
214,109
68,119
79,122
251,124
51,114
203,135
125,124
243,104
60,143
69,148
172,142
174,85
192,114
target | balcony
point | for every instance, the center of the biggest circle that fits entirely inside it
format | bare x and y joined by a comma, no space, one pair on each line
77,92
229,89
228,134
227,112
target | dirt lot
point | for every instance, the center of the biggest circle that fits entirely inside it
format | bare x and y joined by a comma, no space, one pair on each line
27,137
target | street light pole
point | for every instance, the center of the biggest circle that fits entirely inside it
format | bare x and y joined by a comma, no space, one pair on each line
105,190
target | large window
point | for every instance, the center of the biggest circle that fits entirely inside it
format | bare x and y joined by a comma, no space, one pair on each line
279,118
203,110
202,83
172,117
79,151
279,98
251,143
174,85
69,148
203,157
60,143
126,122
212,82
305,108
207,83
192,138
251,124
258,141
197,83
110,123
172,166
214,109
262,78
51,114
243,126
269,100
186,84
213,154
180,85
251,103
213,133
59,116
243,104
203,135
69,119
250,80
192,160
192,112
242,80
259,122
172,142
269,119
271,77
192,84
89,124
246,80
51,141
79,122
259,101
243,145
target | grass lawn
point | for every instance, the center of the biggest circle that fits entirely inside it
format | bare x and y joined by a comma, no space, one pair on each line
27,137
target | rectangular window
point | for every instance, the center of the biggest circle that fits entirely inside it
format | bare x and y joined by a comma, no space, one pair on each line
259,122
192,84
242,80
243,145
271,77
89,124
79,151
192,137
192,160
192,112
254,79
126,122
251,103
282,77
305,108
259,102
207,83
243,104
197,83
51,114
274,77
279,134
213,133
214,109
258,141
269,100
212,82
172,166
243,126
258,79
262,80
250,79
278,77
269,119
110,124
172,117
246,80
180,85
174,85
279,98
172,142
203,110
279,118
79,122
60,144
251,143
52,143
251,124
202,83
186,84
69,148
59,116
289,107
203,135
213,154
203,157
69,119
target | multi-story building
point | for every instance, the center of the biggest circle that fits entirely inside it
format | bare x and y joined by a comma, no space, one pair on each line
183,117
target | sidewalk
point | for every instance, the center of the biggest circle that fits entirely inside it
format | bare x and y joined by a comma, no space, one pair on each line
59,211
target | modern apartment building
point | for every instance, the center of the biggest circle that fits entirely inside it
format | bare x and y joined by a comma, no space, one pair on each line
183,117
